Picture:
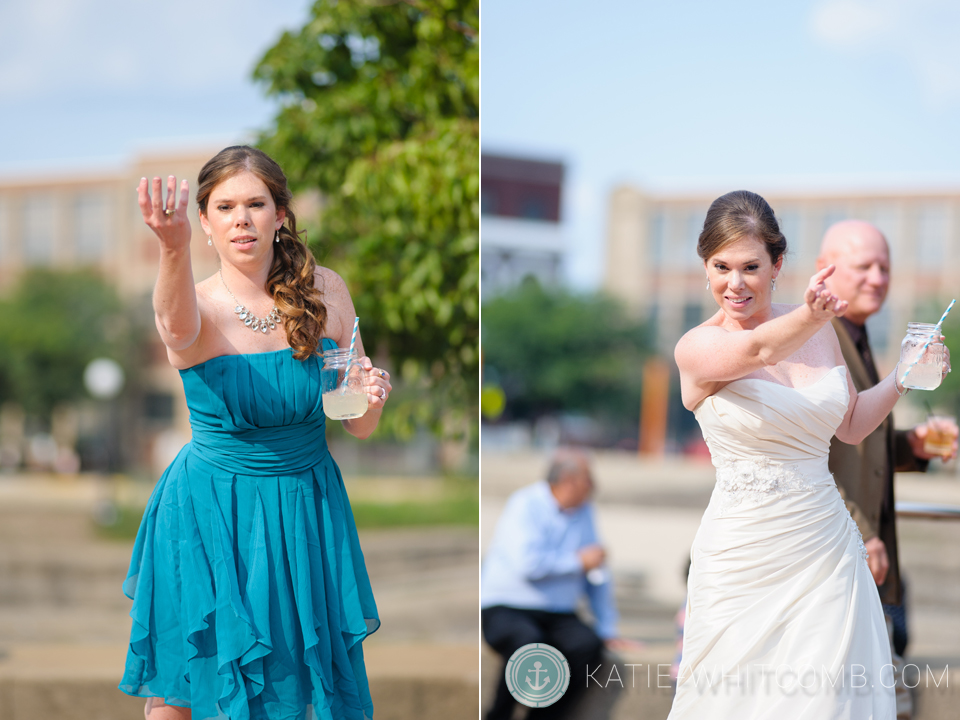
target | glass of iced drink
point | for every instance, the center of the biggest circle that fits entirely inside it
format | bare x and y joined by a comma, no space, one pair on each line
342,381
941,435
923,371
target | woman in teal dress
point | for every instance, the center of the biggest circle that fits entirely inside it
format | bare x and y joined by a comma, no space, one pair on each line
250,594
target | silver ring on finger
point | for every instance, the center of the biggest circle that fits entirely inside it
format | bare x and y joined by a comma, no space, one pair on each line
383,393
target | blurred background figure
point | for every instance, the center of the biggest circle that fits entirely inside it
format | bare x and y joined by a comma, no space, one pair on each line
864,473
544,556
373,111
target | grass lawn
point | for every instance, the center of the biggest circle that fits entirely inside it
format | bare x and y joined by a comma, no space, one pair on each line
464,510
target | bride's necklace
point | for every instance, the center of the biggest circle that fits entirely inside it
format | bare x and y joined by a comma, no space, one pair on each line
264,325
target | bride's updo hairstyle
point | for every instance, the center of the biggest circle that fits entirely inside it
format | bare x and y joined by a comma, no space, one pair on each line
737,215
290,281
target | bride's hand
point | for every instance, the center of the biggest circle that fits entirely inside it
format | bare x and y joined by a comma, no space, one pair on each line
823,304
167,219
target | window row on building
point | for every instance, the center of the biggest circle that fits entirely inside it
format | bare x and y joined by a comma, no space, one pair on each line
653,267
921,231
50,226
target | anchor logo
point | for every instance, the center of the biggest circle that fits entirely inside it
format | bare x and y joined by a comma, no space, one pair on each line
536,685
537,675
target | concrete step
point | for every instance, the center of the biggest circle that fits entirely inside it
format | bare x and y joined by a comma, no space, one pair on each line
79,682
63,574
60,581
82,569
403,551
64,620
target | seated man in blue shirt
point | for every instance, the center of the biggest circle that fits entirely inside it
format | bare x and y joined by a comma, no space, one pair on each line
543,557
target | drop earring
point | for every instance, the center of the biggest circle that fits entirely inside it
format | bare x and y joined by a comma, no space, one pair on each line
277,238
773,285
209,239
708,283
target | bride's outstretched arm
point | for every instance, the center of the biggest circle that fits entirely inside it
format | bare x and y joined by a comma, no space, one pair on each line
709,356
869,408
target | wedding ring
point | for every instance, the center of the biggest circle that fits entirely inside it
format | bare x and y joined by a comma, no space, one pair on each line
168,213
383,394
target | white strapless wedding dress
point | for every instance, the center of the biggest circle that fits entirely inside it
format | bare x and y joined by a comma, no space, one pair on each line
783,618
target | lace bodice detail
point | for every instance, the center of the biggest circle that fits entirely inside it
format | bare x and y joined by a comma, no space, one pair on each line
754,480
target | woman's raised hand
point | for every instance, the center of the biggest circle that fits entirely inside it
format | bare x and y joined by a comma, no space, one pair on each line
167,219
822,303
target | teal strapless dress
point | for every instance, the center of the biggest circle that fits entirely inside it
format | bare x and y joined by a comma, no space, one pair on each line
250,594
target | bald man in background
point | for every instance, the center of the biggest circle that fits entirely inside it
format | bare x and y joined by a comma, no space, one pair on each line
864,473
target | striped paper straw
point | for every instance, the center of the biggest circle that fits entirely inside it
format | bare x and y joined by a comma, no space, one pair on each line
353,343
934,334
353,338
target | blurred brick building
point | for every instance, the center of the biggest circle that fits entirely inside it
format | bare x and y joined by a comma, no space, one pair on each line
520,226
652,263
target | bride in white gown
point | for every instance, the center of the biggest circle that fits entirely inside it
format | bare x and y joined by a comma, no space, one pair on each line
783,618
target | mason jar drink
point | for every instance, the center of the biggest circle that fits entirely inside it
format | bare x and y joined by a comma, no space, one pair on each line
342,383
941,435
928,370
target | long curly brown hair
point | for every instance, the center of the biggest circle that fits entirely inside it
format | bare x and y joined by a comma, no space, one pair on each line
290,281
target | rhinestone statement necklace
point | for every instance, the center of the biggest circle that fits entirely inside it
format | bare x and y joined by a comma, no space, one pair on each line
268,323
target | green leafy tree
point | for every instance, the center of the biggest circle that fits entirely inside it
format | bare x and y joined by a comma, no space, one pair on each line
51,326
552,351
381,115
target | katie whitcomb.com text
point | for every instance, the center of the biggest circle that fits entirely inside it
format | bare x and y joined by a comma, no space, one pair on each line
767,679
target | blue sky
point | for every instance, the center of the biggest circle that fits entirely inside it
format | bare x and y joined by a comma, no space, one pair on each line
718,95
664,95
85,83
